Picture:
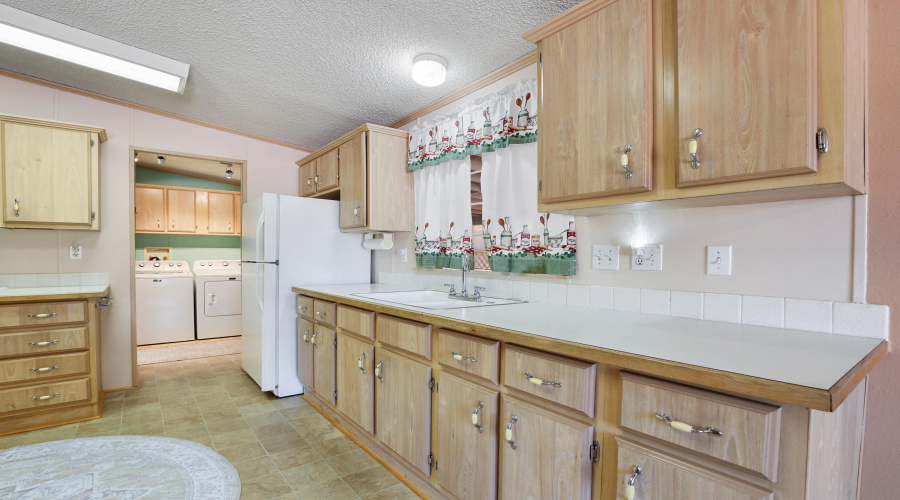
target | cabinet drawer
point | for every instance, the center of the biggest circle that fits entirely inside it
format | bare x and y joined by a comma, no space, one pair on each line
663,477
565,381
305,307
44,341
324,312
17,370
42,313
750,431
358,321
410,336
474,355
24,398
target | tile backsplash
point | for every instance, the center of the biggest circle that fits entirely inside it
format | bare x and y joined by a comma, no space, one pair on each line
51,280
844,318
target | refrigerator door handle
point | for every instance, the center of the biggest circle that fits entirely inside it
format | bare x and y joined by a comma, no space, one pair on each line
259,278
260,237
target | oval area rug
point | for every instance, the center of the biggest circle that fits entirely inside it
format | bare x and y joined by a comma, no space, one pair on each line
117,467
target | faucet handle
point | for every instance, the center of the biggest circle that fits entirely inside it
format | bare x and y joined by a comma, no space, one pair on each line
452,288
478,290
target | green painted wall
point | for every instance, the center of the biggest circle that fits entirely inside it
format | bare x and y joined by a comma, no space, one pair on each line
188,247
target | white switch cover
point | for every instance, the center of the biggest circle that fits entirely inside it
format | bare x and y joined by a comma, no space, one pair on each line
75,252
647,258
605,257
718,260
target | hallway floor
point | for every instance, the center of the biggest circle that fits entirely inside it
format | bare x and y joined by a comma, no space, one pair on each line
282,448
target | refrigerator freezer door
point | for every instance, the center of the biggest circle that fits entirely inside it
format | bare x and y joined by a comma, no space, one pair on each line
259,231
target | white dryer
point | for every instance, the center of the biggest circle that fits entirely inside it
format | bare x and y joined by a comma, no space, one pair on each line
218,289
164,299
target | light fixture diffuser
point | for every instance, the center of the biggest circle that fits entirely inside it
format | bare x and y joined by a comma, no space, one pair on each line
37,34
429,70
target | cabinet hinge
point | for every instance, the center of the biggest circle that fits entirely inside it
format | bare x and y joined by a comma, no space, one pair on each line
432,385
822,140
541,59
541,185
432,463
335,341
595,452
92,143
339,157
339,174
94,214
335,395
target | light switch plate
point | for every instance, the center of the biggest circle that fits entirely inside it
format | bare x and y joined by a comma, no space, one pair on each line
647,258
75,252
605,257
718,260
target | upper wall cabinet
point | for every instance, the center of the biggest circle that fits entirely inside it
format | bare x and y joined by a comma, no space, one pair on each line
50,174
722,103
366,170
178,210
596,116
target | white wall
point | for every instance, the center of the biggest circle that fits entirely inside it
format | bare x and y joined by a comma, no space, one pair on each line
270,168
797,249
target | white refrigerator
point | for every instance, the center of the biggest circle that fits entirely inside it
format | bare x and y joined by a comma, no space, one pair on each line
288,241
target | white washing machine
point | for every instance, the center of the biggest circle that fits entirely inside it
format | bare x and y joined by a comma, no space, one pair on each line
164,297
218,290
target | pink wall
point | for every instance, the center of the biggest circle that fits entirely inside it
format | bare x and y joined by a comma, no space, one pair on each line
881,455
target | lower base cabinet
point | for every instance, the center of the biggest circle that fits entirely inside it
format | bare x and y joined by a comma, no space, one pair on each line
356,381
543,455
305,353
656,476
403,406
323,341
467,422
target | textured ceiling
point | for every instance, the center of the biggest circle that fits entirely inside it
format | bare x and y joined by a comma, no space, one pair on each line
301,71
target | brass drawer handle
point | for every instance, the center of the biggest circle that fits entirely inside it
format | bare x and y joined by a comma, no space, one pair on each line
314,340
629,484
361,363
683,427
459,357
304,308
623,160
320,313
509,438
306,336
43,315
41,344
48,396
475,417
44,369
536,381
16,207
693,147
378,371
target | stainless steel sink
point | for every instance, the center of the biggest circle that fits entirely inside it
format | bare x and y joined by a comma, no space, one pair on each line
429,299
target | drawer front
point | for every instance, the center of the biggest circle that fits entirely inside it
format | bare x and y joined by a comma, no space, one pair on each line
18,370
44,395
305,307
324,312
480,357
565,381
663,477
410,336
358,321
45,341
750,431
42,313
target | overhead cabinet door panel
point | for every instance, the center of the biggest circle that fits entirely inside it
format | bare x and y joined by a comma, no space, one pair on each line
150,209
221,213
747,80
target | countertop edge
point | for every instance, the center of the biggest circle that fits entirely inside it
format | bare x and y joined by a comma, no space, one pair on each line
54,296
730,382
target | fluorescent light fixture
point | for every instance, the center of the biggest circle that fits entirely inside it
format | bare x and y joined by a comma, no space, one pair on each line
429,70
53,39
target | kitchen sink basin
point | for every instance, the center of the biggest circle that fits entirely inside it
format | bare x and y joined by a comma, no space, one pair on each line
429,299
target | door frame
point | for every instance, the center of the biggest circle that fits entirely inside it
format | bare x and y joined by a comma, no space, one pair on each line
132,150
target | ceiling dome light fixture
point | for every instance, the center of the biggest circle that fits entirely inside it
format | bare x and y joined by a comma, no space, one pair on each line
161,159
135,158
429,70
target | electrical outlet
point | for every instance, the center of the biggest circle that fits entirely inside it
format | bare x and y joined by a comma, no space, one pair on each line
647,258
718,260
75,252
403,254
605,257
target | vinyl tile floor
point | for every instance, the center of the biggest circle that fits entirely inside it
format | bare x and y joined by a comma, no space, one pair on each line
282,448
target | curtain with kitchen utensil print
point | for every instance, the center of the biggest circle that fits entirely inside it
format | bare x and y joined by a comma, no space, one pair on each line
502,128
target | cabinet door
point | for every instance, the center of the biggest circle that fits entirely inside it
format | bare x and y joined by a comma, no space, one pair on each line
327,171
181,211
305,355
403,407
747,79
237,213
353,182
307,178
150,209
323,363
467,438
221,213
597,98
355,381
664,477
49,172
551,459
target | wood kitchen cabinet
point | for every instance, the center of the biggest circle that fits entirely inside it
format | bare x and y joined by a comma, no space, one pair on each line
238,207
366,170
150,209
324,353
305,353
403,407
597,105
49,172
221,213
356,380
181,211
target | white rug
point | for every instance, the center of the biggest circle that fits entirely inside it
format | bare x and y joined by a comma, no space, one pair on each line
117,467
152,354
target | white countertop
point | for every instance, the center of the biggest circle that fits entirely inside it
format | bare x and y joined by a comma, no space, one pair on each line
809,359
53,290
